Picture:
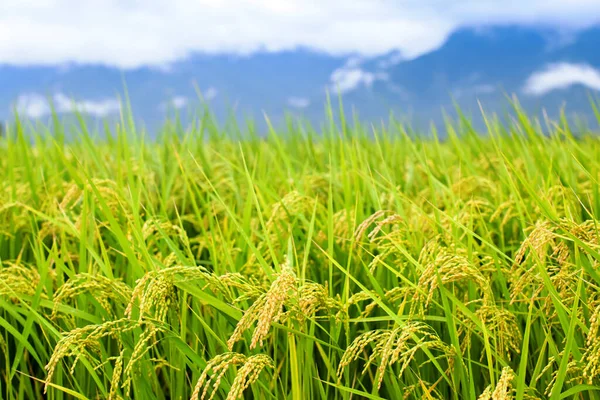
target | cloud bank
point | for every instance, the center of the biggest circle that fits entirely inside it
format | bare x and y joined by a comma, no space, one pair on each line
562,76
156,32
34,105
298,102
346,79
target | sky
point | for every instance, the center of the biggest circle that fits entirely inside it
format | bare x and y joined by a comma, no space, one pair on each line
132,33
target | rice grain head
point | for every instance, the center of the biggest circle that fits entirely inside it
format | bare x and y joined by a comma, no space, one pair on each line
450,265
77,342
107,292
503,390
268,308
391,346
17,280
248,373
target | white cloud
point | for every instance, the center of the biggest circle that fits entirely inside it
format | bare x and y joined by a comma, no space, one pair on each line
393,59
210,93
155,32
298,102
35,105
346,79
562,76
179,101
176,102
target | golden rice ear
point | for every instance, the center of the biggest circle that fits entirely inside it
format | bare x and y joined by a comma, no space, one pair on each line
552,246
78,341
18,280
301,301
468,187
500,324
115,380
146,341
449,265
154,229
574,372
591,357
155,292
343,227
394,346
541,235
314,297
564,201
108,292
504,388
248,374
267,309
250,369
362,228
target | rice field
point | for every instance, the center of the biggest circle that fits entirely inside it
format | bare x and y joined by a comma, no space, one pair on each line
344,262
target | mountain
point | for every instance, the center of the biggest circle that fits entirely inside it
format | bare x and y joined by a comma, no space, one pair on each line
485,65
247,84
543,66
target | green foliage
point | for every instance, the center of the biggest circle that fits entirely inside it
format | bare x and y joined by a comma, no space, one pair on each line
350,263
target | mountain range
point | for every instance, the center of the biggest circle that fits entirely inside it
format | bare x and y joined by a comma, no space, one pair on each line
545,67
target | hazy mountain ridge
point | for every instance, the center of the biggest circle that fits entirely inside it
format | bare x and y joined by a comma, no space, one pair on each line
474,64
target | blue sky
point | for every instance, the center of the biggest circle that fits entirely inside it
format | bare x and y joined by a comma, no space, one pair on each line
130,33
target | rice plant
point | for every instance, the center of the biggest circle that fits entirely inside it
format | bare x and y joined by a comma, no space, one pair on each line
344,262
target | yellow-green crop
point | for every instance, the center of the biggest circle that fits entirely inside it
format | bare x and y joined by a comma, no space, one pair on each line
342,263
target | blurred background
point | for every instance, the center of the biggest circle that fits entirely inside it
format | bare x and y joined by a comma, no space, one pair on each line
245,57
